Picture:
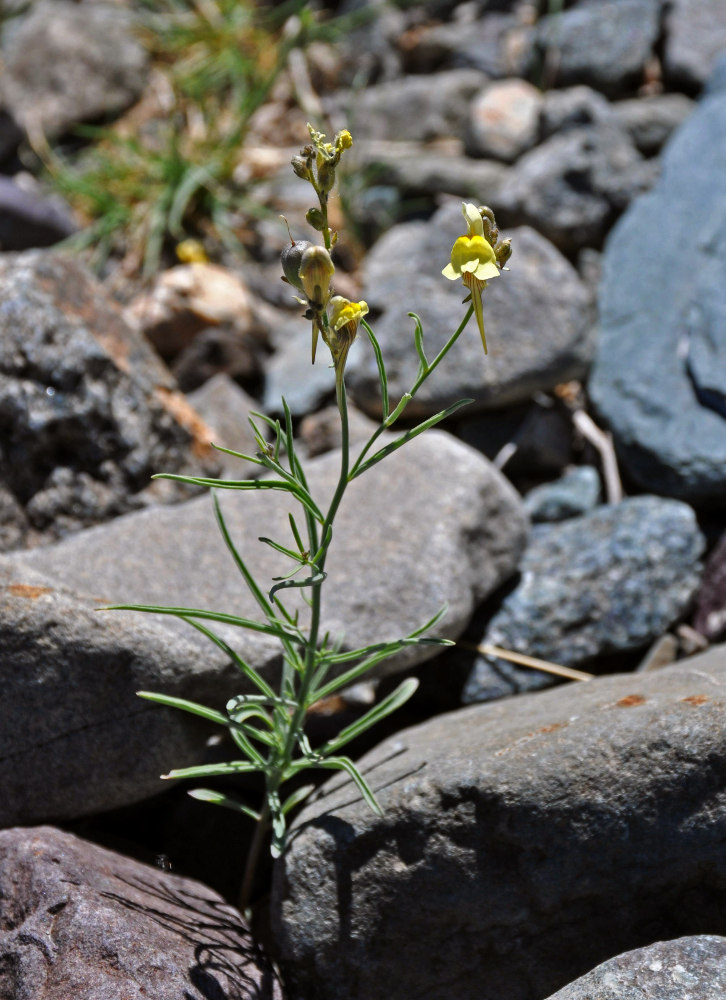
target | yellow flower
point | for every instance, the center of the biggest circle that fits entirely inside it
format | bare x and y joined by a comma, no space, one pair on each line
344,319
474,261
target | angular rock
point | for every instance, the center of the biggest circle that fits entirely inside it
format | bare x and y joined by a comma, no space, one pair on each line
67,63
575,493
536,317
611,581
413,169
304,393
403,547
497,44
605,44
573,186
695,36
80,920
573,107
668,970
504,120
224,408
87,410
413,108
28,219
649,121
511,835
658,377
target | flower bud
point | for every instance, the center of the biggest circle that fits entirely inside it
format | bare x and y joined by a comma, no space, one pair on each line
315,271
291,259
301,167
503,252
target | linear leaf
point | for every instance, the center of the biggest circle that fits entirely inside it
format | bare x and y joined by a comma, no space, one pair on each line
218,799
382,376
249,671
186,706
409,435
309,581
346,764
213,770
267,628
298,796
388,705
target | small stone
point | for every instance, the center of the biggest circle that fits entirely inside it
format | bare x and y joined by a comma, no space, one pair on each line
695,36
504,120
710,618
649,121
573,107
30,219
576,493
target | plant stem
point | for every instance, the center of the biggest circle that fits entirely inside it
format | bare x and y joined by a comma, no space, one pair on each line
253,857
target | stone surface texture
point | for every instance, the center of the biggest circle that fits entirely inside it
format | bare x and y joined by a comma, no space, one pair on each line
504,120
694,39
82,921
67,63
88,413
403,549
658,379
611,581
576,492
536,315
521,843
689,967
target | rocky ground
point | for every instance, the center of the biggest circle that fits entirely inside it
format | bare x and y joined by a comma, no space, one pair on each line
573,513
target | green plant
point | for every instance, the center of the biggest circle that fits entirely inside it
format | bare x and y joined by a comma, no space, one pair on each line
268,726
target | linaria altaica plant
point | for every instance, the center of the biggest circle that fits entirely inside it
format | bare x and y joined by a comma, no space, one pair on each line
268,725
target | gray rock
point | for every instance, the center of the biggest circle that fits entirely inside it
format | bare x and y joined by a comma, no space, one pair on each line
695,36
658,376
603,43
412,169
497,44
572,108
28,219
572,187
293,343
76,671
412,108
80,920
225,407
68,63
611,581
649,121
575,493
521,843
11,135
693,967
88,411
536,316
504,121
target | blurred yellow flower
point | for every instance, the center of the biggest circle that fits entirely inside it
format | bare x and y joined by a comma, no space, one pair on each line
474,261
344,319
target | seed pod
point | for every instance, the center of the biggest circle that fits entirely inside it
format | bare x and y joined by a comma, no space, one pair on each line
315,219
291,259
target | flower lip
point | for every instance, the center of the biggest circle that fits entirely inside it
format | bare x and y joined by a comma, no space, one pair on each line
472,255
343,312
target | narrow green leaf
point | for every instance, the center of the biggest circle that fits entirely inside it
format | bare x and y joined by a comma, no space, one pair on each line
266,628
418,339
298,796
249,579
217,799
409,435
249,671
279,548
185,706
388,705
382,377
296,533
346,764
213,770
238,454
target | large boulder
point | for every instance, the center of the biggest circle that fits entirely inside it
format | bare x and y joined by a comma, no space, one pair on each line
403,547
658,379
82,921
521,843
